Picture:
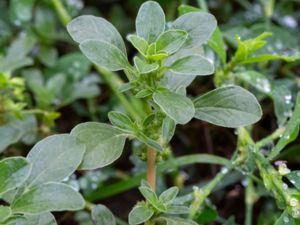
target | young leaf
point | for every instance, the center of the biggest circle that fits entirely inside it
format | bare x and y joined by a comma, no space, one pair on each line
14,171
48,197
144,67
5,212
88,27
169,195
150,21
171,41
176,106
217,43
291,131
168,129
121,120
104,144
149,142
230,106
294,178
54,158
102,215
104,54
139,43
149,195
192,65
199,25
140,214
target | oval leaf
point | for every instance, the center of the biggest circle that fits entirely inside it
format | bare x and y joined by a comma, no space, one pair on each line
150,21
199,25
104,144
101,215
192,65
14,172
5,212
104,54
176,106
170,41
89,27
48,197
54,158
230,106
140,214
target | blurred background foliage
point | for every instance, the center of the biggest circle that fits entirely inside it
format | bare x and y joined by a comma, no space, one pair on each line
47,86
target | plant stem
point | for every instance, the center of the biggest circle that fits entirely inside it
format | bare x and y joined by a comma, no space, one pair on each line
276,134
151,168
64,16
249,195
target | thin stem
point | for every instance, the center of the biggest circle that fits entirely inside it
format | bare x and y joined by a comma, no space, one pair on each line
249,195
63,15
114,83
276,134
203,5
151,168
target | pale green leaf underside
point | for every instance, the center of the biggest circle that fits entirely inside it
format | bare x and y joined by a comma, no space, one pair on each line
104,144
42,219
140,214
198,25
192,65
89,27
54,158
102,215
139,43
176,106
13,173
170,41
48,197
144,67
175,221
150,21
104,54
230,106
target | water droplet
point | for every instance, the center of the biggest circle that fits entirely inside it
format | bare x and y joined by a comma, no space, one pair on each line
296,213
288,99
294,202
293,182
244,183
285,186
94,186
224,170
286,219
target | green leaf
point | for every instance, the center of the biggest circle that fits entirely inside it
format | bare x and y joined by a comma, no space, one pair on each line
151,197
14,171
149,142
42,219
230,106
101,215
291,131
105,55
48,197
255,79
171,41
54,158
285,219
139,43
294,178
104,144
18,129
169,195
175,221
192,65
282,98
140,214
5,212
168,129
178,209
207,215
199,25
144,67
150,21
87,27
21,11
121,120
143,93
216,42
176,106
